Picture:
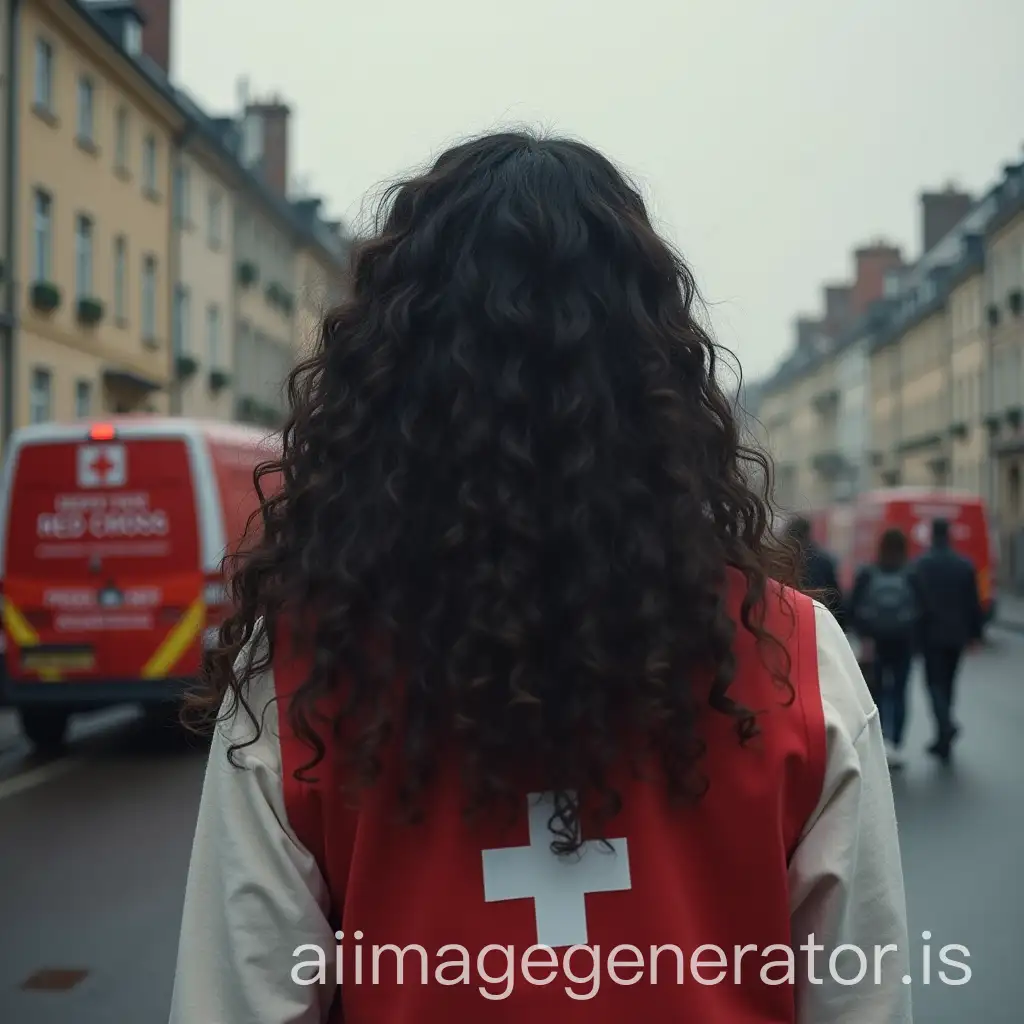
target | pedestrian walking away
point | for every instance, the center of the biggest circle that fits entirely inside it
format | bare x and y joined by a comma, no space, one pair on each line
952,620
518,677
885,614
818,574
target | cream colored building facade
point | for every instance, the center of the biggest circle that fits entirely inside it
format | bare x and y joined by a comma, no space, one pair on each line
94,140
800,418
204,300
265,251
319,276
1005,391
968,370
6,292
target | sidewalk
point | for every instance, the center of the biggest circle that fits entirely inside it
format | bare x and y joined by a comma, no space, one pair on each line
1010,612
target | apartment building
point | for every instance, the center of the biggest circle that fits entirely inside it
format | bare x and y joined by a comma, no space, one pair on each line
7,61
928,364
1004,394
203,332
968,364
927,387
94,136
319,273
815,410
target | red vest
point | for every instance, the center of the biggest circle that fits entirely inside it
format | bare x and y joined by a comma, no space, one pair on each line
714,875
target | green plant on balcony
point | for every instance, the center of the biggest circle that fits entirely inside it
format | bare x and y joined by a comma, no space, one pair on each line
219,380
247,273
273,293
90,311
185,366
45,296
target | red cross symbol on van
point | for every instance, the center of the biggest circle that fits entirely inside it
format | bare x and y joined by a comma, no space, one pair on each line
102,466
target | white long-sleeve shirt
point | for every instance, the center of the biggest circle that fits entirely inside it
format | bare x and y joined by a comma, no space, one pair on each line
255,894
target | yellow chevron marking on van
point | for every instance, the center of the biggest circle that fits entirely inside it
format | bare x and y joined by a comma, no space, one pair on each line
25,636
177,641
17,625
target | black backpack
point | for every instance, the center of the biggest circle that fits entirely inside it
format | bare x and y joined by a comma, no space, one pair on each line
889,608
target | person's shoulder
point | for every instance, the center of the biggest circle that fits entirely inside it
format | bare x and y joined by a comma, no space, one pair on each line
846,701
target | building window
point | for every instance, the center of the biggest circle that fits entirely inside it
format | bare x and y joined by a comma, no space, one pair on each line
121,139
83,399
182,317
120,279
42,255
83,257
40,396
213,336
215,220
43,97
86,109
182,195
149,299
149,174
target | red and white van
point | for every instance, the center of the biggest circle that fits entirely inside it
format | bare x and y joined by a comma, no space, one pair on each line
112,538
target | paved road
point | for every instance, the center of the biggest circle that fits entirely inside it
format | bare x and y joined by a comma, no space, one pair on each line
94,850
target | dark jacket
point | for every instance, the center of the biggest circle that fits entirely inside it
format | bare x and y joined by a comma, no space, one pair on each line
818,577
952,615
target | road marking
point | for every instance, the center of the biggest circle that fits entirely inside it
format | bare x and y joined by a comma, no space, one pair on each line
36,777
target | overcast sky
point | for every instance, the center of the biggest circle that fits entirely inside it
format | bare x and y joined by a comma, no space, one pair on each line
771,136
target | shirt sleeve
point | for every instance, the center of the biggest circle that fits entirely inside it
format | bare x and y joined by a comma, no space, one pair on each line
254,895
846,878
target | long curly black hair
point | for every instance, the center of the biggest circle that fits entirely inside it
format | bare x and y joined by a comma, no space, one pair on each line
511,479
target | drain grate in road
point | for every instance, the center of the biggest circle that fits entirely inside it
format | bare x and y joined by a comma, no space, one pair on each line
54,979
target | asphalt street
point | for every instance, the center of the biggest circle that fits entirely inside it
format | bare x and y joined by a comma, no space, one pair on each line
94,851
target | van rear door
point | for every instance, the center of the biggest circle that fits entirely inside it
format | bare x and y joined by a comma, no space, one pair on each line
102,566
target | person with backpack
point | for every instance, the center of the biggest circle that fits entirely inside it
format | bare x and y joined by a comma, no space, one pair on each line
519,714
885,612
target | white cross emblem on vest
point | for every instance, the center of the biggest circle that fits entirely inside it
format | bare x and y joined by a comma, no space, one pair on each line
557,884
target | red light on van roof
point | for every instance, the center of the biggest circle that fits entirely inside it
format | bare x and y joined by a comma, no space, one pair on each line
102,432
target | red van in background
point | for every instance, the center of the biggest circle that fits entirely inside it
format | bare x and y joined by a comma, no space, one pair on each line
112,537
854,530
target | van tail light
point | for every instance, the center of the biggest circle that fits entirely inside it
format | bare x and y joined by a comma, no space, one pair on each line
102,432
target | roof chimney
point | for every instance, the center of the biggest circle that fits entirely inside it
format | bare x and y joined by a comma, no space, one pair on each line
268,133
156,31
875,266
837,309
940,213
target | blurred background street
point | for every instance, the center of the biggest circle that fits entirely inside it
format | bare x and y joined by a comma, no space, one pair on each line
847,183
